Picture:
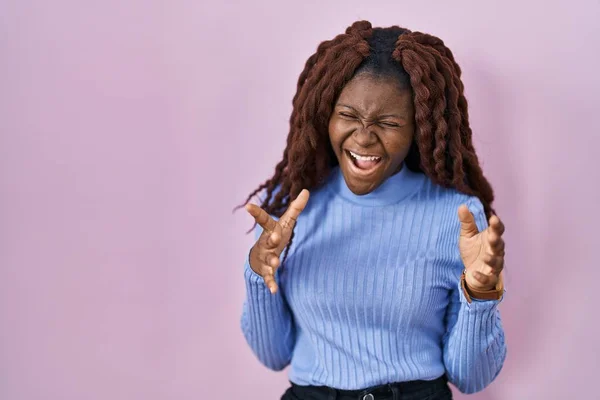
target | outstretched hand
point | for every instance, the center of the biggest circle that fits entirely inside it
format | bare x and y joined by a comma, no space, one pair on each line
264,255
482,252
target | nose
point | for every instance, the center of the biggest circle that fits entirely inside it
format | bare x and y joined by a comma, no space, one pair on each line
364,136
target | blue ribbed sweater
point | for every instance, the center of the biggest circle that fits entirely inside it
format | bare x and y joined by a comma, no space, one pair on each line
370,292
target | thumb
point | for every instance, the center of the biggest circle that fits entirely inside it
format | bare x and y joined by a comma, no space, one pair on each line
468,227
288,219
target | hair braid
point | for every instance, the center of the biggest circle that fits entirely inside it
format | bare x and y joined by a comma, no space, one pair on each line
453,161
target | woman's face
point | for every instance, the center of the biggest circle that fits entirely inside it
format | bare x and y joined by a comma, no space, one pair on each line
371,130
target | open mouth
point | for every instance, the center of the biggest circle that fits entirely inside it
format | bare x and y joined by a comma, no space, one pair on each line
363,164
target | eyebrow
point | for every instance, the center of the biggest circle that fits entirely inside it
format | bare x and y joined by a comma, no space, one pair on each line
381,116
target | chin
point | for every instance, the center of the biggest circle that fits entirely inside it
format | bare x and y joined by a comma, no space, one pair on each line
363,187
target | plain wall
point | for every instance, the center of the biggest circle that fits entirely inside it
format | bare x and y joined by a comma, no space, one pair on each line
130,129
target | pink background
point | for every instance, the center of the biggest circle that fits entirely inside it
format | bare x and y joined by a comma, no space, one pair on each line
129,130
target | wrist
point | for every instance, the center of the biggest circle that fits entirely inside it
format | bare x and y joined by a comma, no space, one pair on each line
252,260
477,288
494,293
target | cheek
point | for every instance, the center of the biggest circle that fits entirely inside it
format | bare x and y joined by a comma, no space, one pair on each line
331,128
336,134
398,147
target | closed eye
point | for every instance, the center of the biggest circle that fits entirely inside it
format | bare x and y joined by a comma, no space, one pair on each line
390,124
343,114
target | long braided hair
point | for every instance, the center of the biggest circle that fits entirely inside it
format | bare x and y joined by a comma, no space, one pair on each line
442,147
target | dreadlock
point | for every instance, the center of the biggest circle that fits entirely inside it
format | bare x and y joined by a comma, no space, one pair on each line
442,147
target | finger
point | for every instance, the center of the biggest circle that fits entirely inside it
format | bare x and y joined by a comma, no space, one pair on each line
494,264
261,217
273,240
272,261
481,278
496,225
493,237
288,219
270,282
468,227
496,245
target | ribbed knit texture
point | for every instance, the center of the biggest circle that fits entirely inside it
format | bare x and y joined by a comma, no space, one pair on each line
370,292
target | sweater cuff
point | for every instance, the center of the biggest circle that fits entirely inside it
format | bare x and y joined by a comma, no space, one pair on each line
251,276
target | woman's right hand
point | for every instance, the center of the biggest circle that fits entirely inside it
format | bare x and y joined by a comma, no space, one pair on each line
264,255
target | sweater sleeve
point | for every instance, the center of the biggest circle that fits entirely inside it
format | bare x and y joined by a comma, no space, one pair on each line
474,345
266,321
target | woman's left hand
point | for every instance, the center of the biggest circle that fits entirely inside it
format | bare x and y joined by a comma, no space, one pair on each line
482,252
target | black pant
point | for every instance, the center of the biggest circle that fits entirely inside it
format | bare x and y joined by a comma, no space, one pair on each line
416,390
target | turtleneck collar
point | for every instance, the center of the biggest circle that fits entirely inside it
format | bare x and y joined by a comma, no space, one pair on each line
393,190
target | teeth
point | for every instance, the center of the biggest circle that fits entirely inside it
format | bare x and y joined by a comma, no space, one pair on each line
364,158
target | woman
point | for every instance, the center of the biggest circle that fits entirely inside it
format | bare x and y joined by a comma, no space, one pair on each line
390,279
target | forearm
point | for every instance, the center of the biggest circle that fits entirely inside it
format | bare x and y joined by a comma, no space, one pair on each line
475,348
267,322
